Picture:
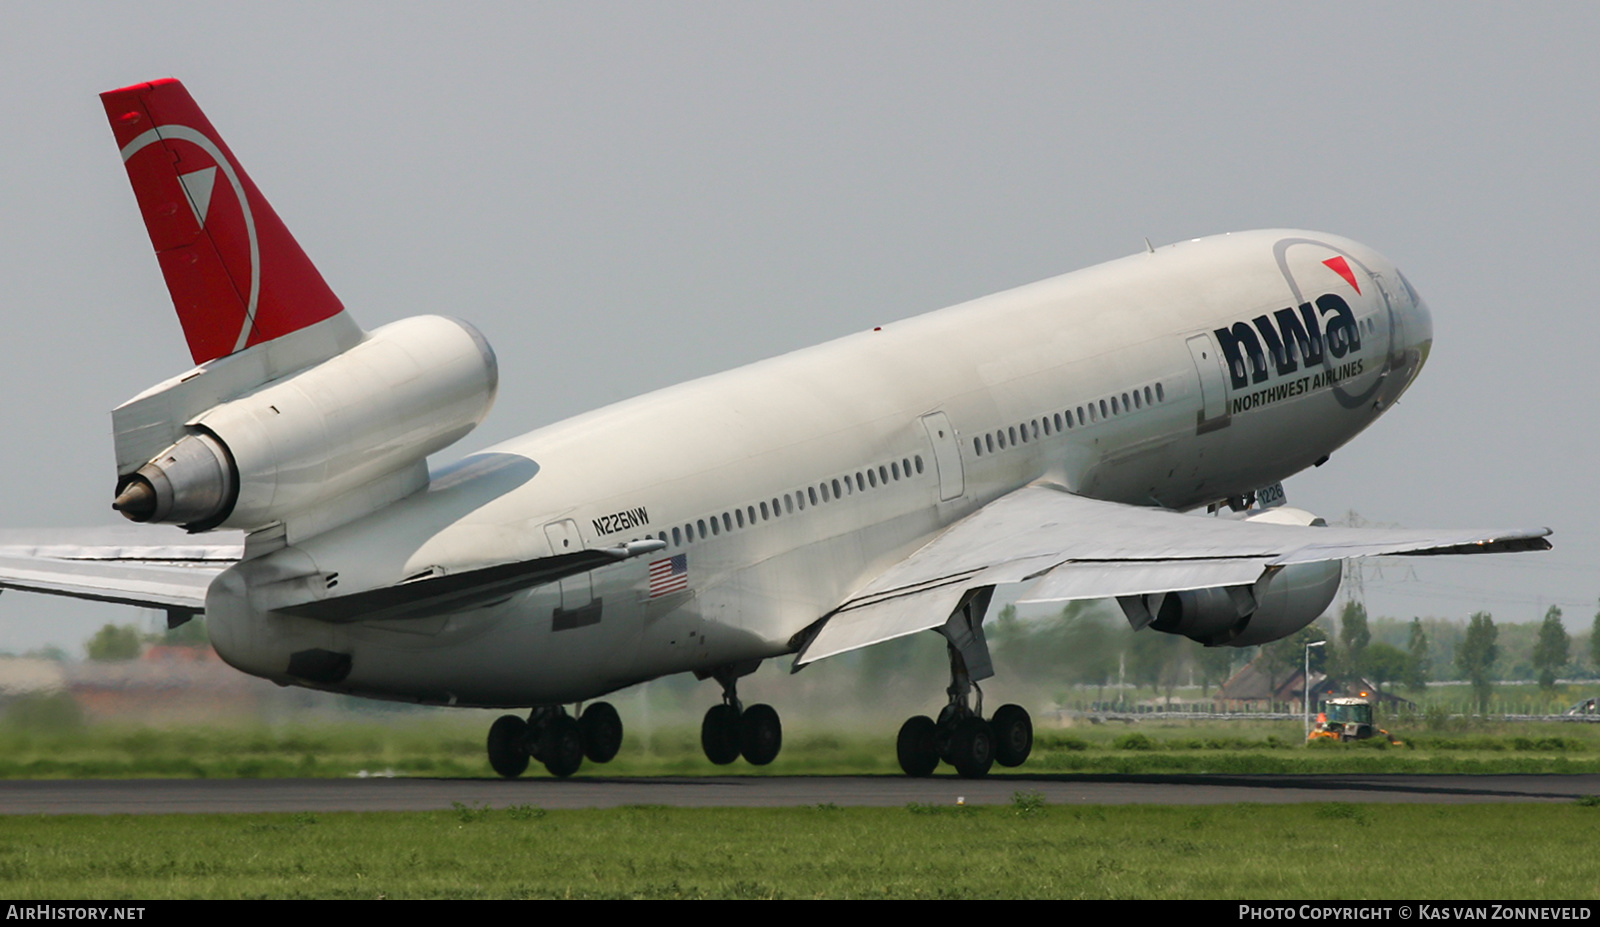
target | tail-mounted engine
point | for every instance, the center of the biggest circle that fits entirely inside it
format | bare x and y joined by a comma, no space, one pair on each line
298,443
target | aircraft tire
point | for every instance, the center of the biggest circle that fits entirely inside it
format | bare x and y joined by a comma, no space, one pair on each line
972,748
760,734
601,728
719,734
915,747
1013,735
508,752
561,746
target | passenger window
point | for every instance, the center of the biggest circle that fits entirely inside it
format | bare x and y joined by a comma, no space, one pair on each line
739,515
677,538
703,529
1161,394
727,523
919,463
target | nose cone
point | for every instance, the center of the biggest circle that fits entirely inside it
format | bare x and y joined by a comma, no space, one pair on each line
1414,338
1419,328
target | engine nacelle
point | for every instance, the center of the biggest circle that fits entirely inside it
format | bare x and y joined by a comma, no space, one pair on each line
1244,616
297,443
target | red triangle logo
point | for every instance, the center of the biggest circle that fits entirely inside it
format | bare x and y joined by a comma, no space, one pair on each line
1342,267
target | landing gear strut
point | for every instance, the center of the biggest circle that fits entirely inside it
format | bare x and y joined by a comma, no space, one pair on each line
731,730
554,738
961,737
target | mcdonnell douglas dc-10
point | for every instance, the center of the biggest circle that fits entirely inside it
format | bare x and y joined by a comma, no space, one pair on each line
1118,432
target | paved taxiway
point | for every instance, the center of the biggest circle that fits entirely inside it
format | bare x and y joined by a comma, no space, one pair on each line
172,796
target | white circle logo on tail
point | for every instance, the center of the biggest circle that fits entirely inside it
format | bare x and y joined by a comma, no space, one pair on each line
198,189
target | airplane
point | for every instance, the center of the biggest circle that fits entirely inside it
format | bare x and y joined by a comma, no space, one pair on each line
1118,432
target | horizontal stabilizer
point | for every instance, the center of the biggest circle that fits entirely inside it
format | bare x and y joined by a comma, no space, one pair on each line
112,565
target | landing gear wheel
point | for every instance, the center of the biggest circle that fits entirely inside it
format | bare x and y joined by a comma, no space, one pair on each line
760,734
561,746
719,734
602,732
918,754
972,748
508,752
1013,735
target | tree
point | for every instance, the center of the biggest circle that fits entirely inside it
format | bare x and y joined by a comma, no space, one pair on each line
1550,652
1354,638
1594,642
1476,655
1386,663
114,642
1215,665
1418,664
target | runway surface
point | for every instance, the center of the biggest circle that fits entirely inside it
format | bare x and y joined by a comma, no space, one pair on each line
176,796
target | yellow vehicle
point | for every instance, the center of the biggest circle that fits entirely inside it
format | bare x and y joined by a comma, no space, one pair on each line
1346,719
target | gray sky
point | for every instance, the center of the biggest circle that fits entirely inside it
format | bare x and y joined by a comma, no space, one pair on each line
622,196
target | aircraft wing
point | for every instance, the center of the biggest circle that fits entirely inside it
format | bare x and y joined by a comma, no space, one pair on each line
1079,548
110,565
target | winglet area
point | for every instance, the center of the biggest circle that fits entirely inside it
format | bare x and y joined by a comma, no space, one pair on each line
237,277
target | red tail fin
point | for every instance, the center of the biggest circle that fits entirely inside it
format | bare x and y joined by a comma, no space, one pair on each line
236,275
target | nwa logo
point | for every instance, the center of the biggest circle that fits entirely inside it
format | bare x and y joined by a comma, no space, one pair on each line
1305,337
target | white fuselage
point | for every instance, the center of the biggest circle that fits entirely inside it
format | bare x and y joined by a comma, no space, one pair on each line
787,484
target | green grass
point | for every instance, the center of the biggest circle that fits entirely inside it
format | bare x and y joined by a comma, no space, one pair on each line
453,746
1023,850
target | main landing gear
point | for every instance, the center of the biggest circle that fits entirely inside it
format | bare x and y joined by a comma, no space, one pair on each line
961,737
730,730
554,738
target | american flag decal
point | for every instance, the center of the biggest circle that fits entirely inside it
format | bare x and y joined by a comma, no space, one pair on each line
669,575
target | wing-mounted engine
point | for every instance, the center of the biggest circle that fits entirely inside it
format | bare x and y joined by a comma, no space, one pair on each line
317,447
1285,599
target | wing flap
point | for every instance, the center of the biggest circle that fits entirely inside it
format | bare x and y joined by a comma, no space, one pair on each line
882,620
1103,580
